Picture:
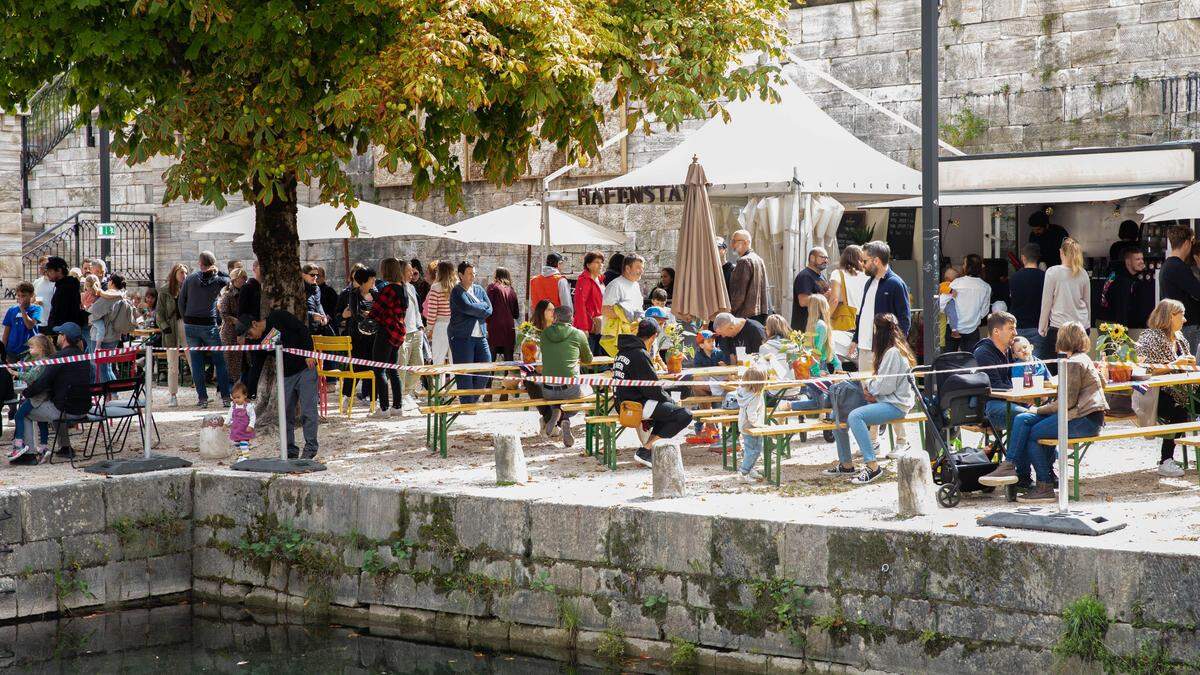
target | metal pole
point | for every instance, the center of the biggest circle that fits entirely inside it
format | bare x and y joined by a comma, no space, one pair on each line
930,217
105,192
1062,435
280,404
147,411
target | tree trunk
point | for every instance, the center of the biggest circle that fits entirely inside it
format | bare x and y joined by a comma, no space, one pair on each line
277,248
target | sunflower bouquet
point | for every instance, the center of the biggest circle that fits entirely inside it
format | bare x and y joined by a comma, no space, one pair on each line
1117,350
529,338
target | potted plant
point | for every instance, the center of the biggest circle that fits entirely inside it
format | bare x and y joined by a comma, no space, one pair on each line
673,343
530,339
801,354
1116,349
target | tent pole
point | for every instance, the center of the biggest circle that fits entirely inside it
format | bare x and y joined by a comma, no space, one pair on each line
930,218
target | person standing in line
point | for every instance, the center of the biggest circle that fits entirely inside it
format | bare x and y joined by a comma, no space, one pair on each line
389,313
1025,286
425,280
469,310
318,322
1048,236
589,299
437,313
616,265
846,289
551,284
227,309
884,293
411,353
1129,235
973,301
43,292
748,281
1176,282
299,378
622,302
809,282
506,311
250,309
198,305
114,313
1067,294
726,265
170,325
67,306
666,283
1128,298
355,307
329,298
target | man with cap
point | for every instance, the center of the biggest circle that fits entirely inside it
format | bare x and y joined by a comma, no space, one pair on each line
551,284
61,388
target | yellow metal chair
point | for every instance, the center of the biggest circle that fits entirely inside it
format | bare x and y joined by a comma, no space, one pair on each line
341,346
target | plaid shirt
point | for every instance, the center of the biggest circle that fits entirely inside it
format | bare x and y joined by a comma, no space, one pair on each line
388,311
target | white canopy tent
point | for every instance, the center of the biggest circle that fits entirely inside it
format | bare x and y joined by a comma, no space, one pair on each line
1181,205
776,158
521,224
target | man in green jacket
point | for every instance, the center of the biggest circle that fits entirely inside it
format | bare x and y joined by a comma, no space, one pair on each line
563,347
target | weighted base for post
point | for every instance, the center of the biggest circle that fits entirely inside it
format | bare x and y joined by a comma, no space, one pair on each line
1048,519
275,465
132,465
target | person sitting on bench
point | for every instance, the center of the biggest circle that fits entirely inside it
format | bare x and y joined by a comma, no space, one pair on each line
633,363
563,347
995,352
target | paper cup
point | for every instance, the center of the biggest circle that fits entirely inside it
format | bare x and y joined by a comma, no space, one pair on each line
1039,381
1018,383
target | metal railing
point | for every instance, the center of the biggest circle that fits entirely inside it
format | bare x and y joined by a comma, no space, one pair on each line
50,119
130,253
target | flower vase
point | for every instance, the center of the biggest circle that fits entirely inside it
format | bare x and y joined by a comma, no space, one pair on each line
675,363
529,351
1119,372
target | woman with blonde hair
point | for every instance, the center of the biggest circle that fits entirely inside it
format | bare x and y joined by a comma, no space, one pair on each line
818,329
1066,294
437,312
1085,416
170,324
1163,343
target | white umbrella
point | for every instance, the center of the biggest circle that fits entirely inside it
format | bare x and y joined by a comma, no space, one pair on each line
1181,205
374,222
521,224
236,222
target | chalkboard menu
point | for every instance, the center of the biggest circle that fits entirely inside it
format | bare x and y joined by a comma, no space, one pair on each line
901,226
848,231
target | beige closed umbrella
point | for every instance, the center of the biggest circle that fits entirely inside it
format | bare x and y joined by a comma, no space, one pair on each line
699,284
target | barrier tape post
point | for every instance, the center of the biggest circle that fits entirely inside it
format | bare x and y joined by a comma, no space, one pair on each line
281,406
1062,436
148,410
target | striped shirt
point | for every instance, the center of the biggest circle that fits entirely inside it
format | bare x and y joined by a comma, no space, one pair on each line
437,305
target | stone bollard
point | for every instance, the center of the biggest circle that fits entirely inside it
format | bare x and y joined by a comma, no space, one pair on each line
669,479
918,495
214,438
510,459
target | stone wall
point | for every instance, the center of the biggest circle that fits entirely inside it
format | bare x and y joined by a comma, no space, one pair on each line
95,543
614,581
10,198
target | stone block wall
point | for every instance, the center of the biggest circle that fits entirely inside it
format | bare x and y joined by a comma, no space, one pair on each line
95,543
749,594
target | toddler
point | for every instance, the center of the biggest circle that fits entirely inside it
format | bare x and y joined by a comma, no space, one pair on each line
241,420
1022,352
752,410
949,309
707,355
39,347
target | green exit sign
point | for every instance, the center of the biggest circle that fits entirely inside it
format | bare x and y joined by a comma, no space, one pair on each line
107,230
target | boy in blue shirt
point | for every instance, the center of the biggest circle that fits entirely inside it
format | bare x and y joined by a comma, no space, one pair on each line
707,355
20,322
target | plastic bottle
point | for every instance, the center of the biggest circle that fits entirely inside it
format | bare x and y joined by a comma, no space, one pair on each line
1028,376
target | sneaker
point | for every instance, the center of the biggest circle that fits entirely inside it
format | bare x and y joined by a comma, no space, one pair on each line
308,454
202,403
379,412
44,454
839,470
1042,493
1169,469
754,476
866,476
901,449
18,449
552,423
644,457
744,477
567,439
293,453
1005,474
173,402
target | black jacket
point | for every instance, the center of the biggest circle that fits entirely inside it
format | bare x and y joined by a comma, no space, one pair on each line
986,354
67,306
633,363
249,304
66,383
1128,299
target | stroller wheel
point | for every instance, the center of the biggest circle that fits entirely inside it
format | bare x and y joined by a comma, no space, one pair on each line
948,495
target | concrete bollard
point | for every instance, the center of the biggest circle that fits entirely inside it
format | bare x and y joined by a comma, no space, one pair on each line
918,495
669,478
510,459
214,438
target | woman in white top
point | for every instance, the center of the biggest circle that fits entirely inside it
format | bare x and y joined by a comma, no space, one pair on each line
1067,293
972,299
437,312
846,286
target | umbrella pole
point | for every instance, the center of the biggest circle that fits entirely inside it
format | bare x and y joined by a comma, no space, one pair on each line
346,259
528,277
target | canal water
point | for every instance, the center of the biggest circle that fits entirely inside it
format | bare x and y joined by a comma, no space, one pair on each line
207,638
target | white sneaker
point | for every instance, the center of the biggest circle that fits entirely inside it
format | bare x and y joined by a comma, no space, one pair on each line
755,476
1170,469
901,448
173,402
380,412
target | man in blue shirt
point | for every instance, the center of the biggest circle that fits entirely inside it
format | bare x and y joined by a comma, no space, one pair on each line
20,322
885,293
994,351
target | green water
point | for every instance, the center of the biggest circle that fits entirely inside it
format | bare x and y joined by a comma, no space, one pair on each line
205,638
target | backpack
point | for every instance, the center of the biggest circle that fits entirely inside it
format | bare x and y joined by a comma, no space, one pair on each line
120,317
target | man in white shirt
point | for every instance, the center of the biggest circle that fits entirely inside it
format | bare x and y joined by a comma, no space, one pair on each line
43,291
972,301
624,291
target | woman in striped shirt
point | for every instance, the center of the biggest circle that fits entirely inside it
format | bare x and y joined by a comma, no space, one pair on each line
437,312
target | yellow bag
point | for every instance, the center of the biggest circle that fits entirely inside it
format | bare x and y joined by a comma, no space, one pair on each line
615,325
844,317
630,414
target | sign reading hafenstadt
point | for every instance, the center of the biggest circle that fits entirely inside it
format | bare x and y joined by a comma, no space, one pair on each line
638,194
106,231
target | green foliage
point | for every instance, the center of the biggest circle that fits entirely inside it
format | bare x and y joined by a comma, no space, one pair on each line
267,541
963,127
956,25
830,622
861,235
683,653
542,582
612,644
1048,20
68,584
1085,622
568,617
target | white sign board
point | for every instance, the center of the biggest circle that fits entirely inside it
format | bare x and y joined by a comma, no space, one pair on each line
106,230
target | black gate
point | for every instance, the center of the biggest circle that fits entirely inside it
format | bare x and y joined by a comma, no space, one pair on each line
130,252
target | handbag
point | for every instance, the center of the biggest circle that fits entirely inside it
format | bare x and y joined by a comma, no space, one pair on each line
629,414
844,317
363,327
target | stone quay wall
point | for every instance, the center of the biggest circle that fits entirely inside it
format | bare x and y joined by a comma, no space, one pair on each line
1015,76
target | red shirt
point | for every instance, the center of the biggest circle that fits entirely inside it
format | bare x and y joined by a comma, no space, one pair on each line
589,301
388,311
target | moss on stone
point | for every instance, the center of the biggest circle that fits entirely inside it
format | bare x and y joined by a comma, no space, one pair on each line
621,543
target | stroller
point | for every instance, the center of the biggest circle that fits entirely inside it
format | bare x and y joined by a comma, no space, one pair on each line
958,399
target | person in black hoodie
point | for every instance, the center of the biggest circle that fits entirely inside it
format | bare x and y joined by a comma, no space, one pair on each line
1128,297
67,306
61,388
249,310
633,362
